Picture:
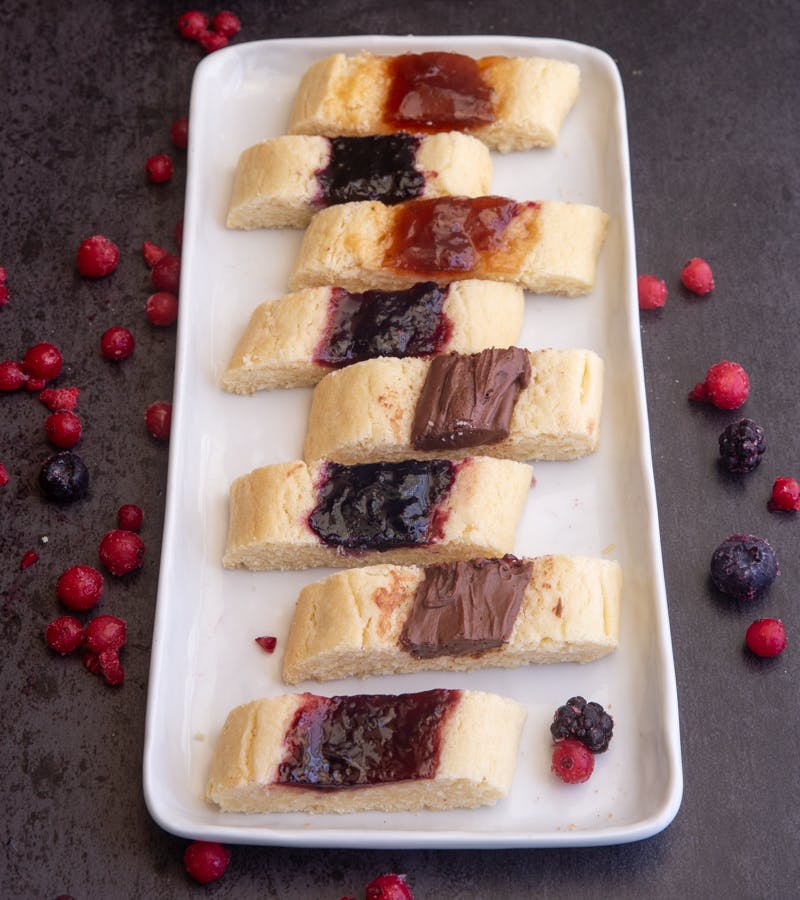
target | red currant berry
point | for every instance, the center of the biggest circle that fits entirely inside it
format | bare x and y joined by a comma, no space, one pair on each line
785,495
57,399
206,861
152,253
3,476
130,517
652,292
179,133
158,418
159,168
63,429
111,667
192,24
766,637
267,643
64,635
117,343
697,277
166,274
29,558
121,551
212,40
227,23
12,375
97,256
161,308
726,386
573,761
389,887
105,633
42,361
80,587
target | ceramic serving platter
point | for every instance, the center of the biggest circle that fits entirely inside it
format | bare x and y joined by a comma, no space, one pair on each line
205,660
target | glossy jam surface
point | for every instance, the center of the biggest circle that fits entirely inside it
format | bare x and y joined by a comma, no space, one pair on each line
381,506
380,167
437,91
384,323
448,234
339,742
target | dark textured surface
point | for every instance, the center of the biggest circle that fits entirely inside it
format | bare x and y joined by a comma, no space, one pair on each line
87,93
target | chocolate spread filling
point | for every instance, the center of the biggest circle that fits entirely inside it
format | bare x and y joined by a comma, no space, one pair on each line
468,400
466,607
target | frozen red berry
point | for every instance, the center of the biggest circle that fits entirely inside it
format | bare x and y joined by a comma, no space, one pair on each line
267,643
117,343
35,384
166,274
111,667
206,861
97,256
766,637
29,558
56,399
63,429
212,40
389,887
91,662
726,385
5,295
158,418
105,633
179,133
652,292
152,253
80,587
130,517
12,375
121,551
785,495
227,23
161,308
192,24
64,635
572,761
3,476
159,168
697,277
42,361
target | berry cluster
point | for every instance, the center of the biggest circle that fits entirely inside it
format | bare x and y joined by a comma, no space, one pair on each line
580,730
213,34
696,276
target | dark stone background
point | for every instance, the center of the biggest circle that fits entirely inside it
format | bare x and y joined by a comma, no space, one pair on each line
87,92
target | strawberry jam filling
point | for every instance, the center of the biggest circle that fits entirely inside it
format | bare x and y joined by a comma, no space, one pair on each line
339,742
384,323
381,506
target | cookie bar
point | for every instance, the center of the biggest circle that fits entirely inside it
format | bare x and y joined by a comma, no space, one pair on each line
283,181
510,103
314,754
297,339
549,247
293,516
514,404
454,616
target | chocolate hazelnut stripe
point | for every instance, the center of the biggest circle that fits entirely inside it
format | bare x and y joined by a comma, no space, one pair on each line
468,400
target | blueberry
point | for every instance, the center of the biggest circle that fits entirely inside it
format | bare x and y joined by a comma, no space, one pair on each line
744,566
64,477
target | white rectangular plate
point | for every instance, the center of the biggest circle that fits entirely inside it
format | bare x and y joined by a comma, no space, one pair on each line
205,660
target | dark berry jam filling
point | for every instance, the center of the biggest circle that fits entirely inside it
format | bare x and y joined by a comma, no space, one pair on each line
448,234
381,506
339,742
380,167
437,91
384,323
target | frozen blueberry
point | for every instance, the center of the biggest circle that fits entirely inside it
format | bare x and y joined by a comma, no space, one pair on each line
64,477
744,566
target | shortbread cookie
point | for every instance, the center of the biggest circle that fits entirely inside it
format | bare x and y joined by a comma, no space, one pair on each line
437,749
283,181
547,248
294,516
297,339
454,616
514,404
510,103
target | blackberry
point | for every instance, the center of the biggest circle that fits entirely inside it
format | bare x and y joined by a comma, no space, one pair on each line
588,723
742,445
744,566
64,477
